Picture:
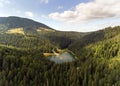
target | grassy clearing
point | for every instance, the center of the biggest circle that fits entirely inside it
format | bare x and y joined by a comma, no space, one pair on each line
48,54
16,31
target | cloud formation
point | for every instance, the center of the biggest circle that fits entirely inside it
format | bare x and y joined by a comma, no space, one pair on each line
29,14
95,9
3,2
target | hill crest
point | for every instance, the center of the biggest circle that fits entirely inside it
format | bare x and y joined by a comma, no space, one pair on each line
18,22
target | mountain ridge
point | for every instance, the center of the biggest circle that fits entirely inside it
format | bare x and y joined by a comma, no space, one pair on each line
17,22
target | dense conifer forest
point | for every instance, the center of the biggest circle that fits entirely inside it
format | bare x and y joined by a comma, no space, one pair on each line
22,62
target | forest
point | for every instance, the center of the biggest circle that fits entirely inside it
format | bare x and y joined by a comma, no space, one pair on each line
22,62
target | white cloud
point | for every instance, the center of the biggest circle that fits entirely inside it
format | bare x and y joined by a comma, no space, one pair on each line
95,9
44,1
3,2
29,14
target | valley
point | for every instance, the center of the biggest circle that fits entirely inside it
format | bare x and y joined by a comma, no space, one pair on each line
34,54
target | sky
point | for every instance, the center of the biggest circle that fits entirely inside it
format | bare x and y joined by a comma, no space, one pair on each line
66,15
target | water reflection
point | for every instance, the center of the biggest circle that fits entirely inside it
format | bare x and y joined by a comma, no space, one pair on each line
63,57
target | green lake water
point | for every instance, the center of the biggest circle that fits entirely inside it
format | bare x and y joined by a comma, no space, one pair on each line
63,57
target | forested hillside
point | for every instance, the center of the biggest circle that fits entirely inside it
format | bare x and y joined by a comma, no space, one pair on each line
15,22
23,43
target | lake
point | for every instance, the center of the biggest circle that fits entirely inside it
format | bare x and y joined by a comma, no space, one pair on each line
63,57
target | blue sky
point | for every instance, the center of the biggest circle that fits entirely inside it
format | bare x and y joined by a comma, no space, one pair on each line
67,15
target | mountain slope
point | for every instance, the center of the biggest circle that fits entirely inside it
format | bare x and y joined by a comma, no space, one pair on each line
99,55
26,33
22,60
16,22
94,38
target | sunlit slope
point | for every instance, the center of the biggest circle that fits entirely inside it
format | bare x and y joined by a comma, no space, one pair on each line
104,39
26,33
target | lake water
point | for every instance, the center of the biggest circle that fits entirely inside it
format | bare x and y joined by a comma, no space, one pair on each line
61,58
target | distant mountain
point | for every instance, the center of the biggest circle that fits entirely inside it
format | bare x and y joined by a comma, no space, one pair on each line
16,30
17,22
